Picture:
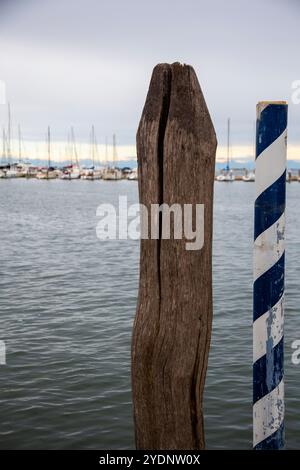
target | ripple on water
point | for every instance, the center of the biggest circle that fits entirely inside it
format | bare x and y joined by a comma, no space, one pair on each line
67,304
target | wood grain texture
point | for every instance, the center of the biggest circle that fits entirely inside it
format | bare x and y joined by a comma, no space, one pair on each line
176,147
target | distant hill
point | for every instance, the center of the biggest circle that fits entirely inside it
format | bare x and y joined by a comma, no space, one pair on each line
249,164
131,162
236,164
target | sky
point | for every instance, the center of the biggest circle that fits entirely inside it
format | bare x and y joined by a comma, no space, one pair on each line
89,62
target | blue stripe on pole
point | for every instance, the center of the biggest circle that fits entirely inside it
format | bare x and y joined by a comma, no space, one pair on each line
269,206
268,371
268,288
274,441
272,123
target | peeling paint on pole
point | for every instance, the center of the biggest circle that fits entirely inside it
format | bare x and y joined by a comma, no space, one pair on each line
268,290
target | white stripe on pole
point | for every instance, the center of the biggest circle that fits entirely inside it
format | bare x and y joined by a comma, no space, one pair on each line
268,413
269,247
270,165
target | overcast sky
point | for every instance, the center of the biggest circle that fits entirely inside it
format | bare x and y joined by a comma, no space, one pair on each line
87,62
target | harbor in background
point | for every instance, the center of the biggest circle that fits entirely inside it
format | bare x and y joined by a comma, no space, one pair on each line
16,163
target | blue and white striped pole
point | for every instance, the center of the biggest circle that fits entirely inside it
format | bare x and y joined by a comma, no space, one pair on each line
268,289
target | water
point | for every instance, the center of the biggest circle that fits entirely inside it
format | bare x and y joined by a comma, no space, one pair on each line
67,302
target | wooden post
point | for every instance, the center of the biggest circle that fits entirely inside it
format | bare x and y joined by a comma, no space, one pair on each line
176,147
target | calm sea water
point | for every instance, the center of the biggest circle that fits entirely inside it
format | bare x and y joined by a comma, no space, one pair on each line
67,302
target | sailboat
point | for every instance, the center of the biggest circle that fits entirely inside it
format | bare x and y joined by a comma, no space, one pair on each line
248,177
87,173
91,173
133,175
112,173
3,162
227,174
48,173
23,167
97,171
65,173
75,170
11,172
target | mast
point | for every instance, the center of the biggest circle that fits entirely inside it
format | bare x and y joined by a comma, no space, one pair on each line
4,154
106,151
228,142
97,156
74,145
49,147
20,145
8,144
69,150
93,145
114,150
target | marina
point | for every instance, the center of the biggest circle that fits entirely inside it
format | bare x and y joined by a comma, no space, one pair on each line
109,173
68,173
21,167
16,164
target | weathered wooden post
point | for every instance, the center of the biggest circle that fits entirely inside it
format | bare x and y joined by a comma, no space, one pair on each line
176,146
268,290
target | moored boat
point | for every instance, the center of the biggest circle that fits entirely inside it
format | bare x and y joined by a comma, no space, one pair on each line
112,174
133,175
227,174
248,177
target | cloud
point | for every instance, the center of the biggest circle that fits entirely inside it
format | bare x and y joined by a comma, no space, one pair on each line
89,62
